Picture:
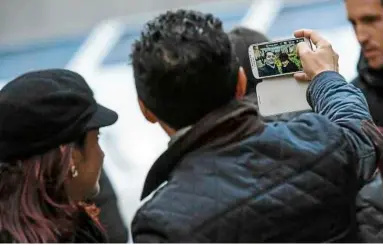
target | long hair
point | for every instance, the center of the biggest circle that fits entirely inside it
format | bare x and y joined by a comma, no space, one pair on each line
34,204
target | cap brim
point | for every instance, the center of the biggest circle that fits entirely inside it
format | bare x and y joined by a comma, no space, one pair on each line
103,117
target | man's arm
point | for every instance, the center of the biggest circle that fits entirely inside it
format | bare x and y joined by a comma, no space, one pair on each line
331,96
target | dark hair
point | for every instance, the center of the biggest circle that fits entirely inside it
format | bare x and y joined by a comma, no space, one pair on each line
283,57
241,38
184,67
34,204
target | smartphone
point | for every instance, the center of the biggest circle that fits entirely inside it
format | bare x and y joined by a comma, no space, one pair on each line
274,63
276,58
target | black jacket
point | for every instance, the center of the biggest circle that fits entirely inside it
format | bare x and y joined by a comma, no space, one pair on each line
371,83
267,70
86,232
291,67
232,178
370,198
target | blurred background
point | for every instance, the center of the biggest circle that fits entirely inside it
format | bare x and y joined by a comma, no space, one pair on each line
94,39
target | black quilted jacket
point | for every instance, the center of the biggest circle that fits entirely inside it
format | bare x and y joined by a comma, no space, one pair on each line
232,178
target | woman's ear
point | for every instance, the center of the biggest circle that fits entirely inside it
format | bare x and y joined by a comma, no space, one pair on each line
241,84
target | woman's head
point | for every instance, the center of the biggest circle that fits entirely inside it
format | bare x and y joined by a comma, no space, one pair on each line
49,152
284,58
86,162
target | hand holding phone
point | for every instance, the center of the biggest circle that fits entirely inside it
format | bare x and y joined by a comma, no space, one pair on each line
324,58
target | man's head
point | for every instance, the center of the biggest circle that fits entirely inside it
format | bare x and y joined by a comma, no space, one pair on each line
270,58
241,38
367,19
184,68
284,58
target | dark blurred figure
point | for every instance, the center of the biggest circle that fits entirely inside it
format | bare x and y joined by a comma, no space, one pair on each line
287,65
241,38
110,216
367,20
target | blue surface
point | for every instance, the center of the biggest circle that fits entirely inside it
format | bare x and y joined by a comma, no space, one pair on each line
120,53
323,16
53,54
56,54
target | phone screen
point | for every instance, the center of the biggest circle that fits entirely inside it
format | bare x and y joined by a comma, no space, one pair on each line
277,58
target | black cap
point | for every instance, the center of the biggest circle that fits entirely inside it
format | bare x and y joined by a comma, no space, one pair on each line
41,110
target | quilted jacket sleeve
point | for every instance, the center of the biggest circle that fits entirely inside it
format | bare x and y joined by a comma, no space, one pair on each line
344,104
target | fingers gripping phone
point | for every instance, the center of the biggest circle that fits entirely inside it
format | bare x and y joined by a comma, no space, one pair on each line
275,63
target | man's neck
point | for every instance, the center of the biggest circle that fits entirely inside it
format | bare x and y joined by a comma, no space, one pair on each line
272,66
168,130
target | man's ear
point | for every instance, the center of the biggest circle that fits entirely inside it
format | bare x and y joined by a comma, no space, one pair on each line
241,84
147,113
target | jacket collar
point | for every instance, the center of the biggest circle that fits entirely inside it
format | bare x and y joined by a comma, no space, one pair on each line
231,123
370,76
178,135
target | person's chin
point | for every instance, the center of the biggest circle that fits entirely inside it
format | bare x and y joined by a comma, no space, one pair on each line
375,62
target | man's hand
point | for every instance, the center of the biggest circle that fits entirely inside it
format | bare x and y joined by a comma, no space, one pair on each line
324,58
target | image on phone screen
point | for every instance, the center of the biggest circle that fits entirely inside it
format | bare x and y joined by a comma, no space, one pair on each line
277,58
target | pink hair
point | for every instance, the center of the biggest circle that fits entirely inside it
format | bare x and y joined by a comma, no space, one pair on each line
34,204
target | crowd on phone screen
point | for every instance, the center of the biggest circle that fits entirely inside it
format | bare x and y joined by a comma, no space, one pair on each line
229,174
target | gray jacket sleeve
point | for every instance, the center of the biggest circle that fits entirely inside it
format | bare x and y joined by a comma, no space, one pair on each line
344,104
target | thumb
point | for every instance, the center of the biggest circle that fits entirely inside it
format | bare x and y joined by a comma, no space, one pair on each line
301,77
